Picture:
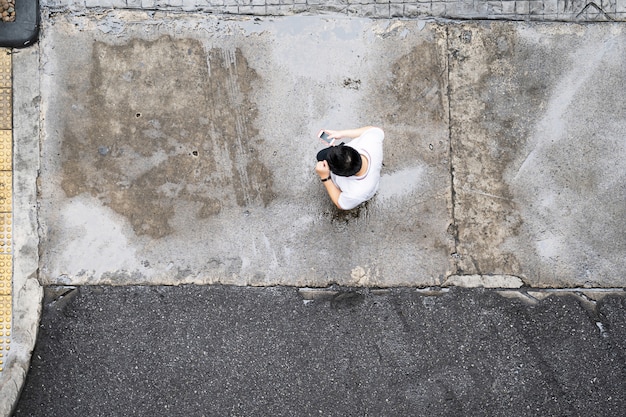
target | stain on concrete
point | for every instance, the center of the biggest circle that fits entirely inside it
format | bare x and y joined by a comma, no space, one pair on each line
352,84
413,105
416,84
232,115
487,100
170,127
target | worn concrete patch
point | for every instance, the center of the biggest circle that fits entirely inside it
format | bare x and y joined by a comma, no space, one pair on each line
484,281
489,116
149,138
182,150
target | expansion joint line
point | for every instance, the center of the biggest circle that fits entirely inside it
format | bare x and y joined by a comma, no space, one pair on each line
452,229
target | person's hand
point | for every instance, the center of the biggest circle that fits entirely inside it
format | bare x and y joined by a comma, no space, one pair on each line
322,169
333,135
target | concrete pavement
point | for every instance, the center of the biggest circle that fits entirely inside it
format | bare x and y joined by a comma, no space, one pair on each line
180,150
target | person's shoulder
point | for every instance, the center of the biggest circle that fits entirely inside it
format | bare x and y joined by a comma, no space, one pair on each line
375,132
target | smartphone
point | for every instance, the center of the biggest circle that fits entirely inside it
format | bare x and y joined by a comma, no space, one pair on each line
325,138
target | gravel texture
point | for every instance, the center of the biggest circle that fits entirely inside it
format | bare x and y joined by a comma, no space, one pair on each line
8,10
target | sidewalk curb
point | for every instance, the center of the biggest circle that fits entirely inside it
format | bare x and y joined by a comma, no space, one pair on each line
27,292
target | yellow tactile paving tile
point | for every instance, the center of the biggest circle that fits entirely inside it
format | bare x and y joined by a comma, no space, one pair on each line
6,275
6,270
6,150
6,62
6,109
6,232
6,189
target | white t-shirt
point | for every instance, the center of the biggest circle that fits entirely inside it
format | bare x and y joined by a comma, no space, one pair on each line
355,190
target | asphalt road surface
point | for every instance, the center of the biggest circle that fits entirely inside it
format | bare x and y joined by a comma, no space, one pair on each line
243,351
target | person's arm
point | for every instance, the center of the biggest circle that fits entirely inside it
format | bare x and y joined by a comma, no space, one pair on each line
333,191
348,133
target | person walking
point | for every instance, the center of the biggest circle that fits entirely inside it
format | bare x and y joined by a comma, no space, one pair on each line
351,172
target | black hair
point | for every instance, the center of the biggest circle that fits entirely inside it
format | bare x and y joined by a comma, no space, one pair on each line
344,161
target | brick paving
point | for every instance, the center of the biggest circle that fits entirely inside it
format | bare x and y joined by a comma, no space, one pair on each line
527,10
